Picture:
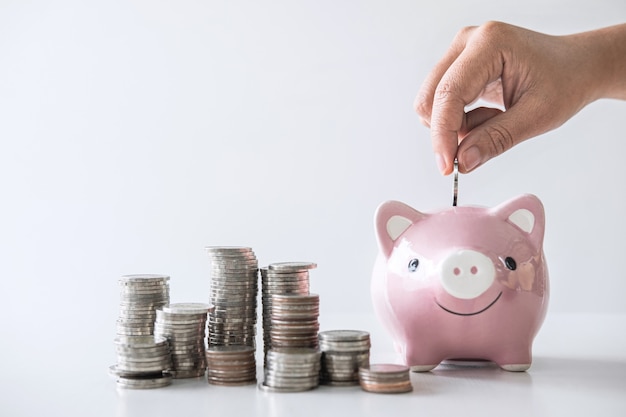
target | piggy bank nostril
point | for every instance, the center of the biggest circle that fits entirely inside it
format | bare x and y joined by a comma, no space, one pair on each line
474,270
456,271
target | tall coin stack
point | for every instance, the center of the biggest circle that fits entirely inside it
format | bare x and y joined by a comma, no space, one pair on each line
343,353
183,325
234,287
385,378
291,370
294,321
142,362
279,279
140,296
231,365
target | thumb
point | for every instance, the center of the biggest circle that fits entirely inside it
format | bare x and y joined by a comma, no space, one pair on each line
499,134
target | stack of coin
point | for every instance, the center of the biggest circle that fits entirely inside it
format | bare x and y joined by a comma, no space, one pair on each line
231,365
343,353
140,296
142,362
277,279
234,286
294,321
385,378
291,370
183,325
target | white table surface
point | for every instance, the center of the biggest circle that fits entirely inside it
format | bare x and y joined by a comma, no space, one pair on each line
579,369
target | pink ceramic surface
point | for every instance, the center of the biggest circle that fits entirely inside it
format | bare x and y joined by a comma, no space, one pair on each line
462,283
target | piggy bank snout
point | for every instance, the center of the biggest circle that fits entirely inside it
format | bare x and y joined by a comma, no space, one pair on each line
466,274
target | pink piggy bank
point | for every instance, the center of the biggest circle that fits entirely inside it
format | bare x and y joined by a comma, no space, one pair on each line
463,283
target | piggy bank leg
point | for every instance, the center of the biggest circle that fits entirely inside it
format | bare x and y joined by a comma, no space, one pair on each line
514,361
519,367
421,361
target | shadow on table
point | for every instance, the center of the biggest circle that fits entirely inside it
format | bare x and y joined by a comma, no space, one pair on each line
605,374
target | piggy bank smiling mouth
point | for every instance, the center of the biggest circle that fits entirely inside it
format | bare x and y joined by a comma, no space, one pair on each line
470,314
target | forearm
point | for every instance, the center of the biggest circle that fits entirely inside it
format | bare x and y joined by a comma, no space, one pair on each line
604,55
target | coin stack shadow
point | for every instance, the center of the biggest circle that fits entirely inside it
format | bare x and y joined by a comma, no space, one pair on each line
294,321
183,324
140,296
231,365
343,353
282,278
234,287
142,362
385,378
291,370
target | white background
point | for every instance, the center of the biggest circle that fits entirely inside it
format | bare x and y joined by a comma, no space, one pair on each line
134,133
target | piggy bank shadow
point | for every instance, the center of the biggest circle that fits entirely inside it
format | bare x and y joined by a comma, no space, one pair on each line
467,376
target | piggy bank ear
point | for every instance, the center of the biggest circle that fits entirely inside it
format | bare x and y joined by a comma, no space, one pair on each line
527,214
391,220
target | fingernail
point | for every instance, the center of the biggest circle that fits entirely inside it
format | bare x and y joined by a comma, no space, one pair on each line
471,158
441,163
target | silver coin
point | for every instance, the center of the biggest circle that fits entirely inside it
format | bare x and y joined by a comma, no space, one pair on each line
178,327
144,351
179,323
297,299
140,341
384,372
191,373
144,277
141,369
143,283
131,293
230,294
291,266
332,383
455,189
228,249
187,308
174,335
144,383
297,384
344,335
295,355
267,388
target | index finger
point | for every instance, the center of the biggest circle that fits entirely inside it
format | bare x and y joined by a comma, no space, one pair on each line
477,66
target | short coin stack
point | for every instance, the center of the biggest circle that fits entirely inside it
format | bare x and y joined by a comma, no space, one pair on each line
183,325
291,370
343,353
234,287
231,365
279,279
140,296
294,321
385,378
142,362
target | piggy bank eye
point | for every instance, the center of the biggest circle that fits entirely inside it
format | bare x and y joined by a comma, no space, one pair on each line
510,263
413,264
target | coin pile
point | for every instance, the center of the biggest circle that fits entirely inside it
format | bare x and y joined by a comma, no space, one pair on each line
291,370
385,378
140,296
142,362
231,365
343,353
279,279
183,324
234,286
294,321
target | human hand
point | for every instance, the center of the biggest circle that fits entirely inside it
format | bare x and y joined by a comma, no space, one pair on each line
540,81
